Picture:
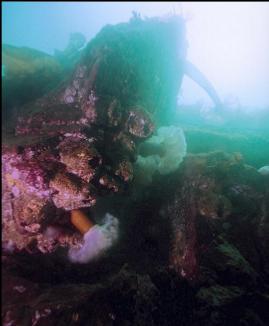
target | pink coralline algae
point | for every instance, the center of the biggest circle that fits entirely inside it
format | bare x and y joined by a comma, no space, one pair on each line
31,176
35,184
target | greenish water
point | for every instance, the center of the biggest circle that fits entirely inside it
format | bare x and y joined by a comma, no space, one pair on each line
244,133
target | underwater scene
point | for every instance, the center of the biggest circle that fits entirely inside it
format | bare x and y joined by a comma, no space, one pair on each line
135,163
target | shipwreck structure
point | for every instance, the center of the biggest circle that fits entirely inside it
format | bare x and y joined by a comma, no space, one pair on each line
79,140
71,146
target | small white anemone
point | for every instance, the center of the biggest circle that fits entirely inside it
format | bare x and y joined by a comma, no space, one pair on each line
96,241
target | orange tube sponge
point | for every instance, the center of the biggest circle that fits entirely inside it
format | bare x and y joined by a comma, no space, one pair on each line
81,221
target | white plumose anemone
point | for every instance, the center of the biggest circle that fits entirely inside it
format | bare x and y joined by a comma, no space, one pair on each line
96,241
172,143
264,170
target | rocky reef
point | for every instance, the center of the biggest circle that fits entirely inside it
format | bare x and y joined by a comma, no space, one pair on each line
193,244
